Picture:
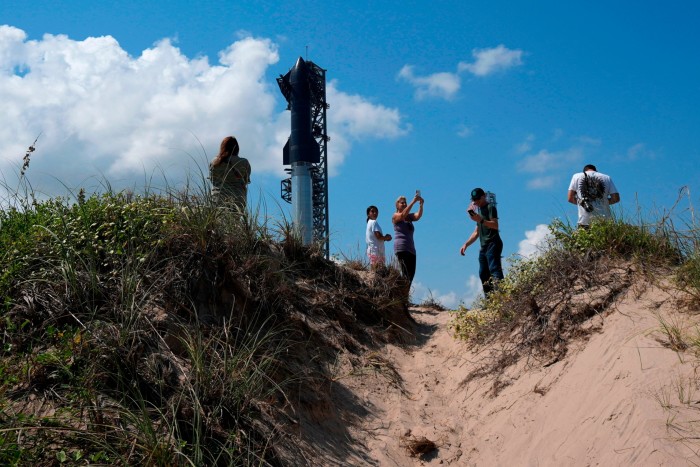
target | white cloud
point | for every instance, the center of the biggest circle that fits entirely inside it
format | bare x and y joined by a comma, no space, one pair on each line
445,85
547,166
354,117
542,183
534,241
441,85
547,161
358,117
488,61
101,111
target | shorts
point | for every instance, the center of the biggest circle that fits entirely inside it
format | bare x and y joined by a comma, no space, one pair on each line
376,259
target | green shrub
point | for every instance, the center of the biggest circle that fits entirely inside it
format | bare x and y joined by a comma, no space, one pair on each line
97,234
617,238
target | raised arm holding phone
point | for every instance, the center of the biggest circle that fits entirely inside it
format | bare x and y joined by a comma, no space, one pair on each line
403,220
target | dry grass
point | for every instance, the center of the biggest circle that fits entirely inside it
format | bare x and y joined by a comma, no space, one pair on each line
417,446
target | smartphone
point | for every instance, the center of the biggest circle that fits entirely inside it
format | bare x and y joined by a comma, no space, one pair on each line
418,193
471,212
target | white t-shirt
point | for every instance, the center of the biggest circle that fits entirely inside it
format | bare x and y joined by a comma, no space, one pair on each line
601,207
375,246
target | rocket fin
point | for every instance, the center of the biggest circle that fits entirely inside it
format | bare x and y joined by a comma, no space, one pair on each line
285,154
315,150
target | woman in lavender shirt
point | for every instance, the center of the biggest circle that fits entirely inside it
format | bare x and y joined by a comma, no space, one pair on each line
404,247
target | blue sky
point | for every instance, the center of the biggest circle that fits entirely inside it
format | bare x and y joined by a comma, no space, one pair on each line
440,96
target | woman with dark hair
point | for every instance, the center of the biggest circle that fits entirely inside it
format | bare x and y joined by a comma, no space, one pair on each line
230,174
404,248
375,238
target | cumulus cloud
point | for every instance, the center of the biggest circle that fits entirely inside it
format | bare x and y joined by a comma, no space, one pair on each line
547,167
489,61
101,111
546,161
354,117
550,167
534,241
445,85
442,85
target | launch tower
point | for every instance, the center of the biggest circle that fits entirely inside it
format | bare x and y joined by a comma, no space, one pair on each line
304,87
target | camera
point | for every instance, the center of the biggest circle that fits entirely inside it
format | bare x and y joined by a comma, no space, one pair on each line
471,212
586,204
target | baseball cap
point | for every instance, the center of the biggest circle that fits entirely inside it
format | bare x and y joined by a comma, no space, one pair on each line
477,193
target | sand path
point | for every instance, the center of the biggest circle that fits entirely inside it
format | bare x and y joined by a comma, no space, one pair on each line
622,398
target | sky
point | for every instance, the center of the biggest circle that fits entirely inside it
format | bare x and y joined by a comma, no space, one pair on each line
443,96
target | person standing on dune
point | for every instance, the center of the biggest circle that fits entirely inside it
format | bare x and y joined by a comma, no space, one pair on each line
485,215
404,248
375,239
593,192
230,175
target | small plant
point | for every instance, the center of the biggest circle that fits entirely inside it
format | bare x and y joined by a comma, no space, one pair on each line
432,302
674,336
356,264
473,325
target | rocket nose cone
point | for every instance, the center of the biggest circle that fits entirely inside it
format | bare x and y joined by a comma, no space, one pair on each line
300,65
299,72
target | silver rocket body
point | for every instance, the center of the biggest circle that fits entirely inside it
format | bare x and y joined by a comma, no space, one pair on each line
302,150
302,201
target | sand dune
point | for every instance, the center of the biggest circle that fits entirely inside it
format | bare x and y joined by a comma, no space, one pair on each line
622,397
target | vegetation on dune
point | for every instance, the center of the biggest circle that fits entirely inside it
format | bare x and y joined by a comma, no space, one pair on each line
166,330
547,300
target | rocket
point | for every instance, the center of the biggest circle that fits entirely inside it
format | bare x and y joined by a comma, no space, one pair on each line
301,150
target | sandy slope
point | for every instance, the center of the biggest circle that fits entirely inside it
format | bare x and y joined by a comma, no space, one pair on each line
613,400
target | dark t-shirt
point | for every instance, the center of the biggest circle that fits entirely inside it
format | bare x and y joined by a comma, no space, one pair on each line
403,235
488,212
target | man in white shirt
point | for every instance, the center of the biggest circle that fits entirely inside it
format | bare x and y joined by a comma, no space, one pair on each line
593,192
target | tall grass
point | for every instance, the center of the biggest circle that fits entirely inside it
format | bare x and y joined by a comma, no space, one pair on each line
164,328
104,300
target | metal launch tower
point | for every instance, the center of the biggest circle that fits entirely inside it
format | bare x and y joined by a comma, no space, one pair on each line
304,87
